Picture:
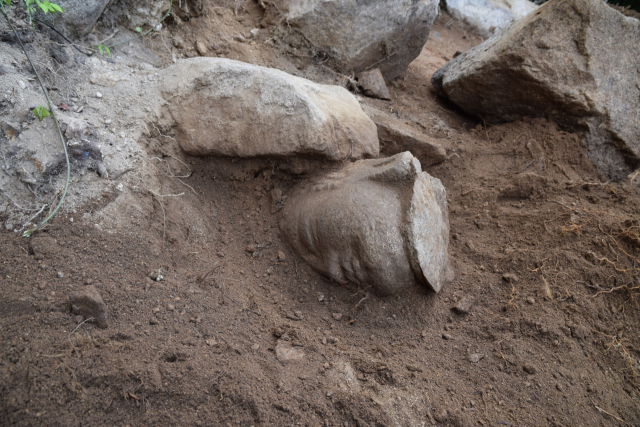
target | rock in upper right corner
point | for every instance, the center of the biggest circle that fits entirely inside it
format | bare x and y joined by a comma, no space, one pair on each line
575,61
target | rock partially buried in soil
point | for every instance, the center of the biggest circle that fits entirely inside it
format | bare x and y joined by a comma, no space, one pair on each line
382,223
359,34
230,108
395,136
372,84
487,16
88,303
557,62
79,16
285,352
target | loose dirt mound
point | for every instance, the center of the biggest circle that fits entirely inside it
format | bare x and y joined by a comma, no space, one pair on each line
546,252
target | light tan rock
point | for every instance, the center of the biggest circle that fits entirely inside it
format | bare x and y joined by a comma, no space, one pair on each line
230,108
381,223
575,61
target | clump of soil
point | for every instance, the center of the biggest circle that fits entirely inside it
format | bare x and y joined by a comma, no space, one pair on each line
205,301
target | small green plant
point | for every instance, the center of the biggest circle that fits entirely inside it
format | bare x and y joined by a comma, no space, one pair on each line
31,7
46,7
40,112
104,49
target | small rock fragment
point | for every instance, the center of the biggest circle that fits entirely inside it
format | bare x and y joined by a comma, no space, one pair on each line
510,278
210,342
530,369
531,300
42,285
89,304
281,256
201,48
446,336
60,274
320,297
372,84
464,305
442,416
285,352
255,347
336,316
251,249
171,307
178,43
475,358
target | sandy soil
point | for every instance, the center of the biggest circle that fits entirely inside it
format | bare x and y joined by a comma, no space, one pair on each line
547,251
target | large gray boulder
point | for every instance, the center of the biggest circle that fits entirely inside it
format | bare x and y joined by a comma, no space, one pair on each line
230,108
575,61
381,223
487,16
79,16
387,34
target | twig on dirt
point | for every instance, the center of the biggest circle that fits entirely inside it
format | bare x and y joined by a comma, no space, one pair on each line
469,191
109,37
602,411
32,218
74,347
353,310
562,204
16,205
119,174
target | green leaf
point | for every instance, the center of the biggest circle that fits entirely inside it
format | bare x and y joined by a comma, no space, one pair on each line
40,112
7,2
57,8
138,29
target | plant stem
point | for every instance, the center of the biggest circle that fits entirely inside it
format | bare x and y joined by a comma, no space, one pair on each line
27,233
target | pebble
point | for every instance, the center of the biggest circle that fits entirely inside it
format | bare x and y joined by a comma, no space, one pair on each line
559,386
254,33
336,316
42,285
221,254
464,305
531,300
60,274
201,48
153,321
281,256
530,369
178,43
171,307
441,416
320,297
89,303
251,248
447,336
475,358
98,95
255,347
510,278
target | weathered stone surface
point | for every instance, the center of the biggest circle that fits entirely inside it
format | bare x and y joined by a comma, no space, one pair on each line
575,61
285,352
88,303
382,223
359,34
395,136
79,16
487,16
230,108
144,13
372,84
